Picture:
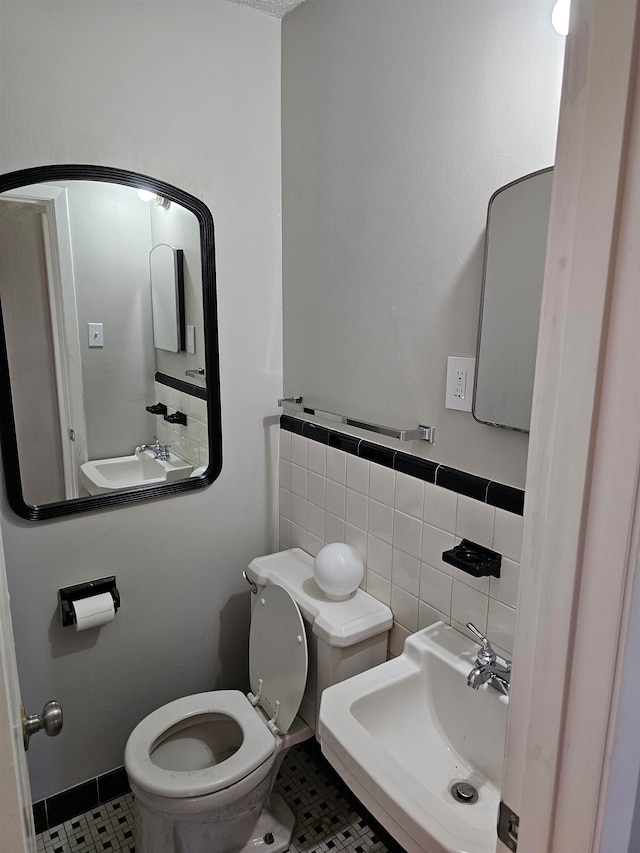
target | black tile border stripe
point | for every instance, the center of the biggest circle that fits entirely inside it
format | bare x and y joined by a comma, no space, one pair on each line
181,385
415,466
479,488
68,804
506,497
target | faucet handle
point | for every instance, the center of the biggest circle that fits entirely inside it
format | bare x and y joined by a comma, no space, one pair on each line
486,654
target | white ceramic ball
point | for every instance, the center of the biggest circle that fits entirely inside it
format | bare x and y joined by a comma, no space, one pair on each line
338,570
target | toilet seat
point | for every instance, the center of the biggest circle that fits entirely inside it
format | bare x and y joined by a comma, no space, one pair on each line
201,744
258,745
198,753
278,657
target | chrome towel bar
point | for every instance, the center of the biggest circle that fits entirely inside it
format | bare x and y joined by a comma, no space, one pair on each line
420,433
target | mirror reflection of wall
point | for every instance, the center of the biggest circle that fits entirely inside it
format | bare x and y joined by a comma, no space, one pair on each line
80,322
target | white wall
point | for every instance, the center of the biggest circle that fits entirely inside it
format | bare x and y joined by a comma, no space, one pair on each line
400,119
187,92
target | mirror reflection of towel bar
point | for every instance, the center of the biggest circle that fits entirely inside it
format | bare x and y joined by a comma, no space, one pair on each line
420,433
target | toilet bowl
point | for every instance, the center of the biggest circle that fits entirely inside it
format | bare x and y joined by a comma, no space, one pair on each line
202,767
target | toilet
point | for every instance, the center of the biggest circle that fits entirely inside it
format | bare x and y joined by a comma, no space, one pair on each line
202,768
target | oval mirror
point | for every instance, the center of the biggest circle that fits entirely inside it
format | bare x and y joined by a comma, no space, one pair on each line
94,413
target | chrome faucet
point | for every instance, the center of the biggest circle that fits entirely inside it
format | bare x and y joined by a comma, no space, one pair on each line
160,451
487,669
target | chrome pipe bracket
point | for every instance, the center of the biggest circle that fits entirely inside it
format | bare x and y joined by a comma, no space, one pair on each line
252,584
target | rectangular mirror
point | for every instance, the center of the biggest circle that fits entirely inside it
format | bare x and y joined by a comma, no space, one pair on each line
515,247
167,297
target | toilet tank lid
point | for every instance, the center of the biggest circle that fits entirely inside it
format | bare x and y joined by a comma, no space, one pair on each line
337,623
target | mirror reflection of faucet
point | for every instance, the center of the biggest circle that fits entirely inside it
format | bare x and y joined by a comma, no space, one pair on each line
487,668
160,451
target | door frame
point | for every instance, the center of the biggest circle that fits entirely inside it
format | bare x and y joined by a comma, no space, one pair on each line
16,814
64,323
580,537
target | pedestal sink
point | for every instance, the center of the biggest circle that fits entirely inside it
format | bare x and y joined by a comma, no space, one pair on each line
405,734
100,476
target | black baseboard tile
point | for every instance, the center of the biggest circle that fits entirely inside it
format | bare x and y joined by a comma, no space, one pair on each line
72,802
113,784
40,816
79,799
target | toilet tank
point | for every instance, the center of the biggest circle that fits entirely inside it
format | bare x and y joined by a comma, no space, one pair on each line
343,637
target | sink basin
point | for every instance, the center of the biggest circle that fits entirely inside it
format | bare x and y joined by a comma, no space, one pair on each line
122,472
403,733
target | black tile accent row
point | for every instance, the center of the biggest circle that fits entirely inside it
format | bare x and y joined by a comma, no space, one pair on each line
487,491
74,801
181,385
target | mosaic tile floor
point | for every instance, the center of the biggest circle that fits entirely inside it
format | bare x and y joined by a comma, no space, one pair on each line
328,818
106,828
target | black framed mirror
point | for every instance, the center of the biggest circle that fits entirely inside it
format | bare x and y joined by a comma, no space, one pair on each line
93,415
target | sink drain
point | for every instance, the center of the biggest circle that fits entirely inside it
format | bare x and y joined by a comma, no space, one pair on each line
464,792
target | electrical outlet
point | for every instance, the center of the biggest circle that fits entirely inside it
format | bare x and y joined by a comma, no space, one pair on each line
460,375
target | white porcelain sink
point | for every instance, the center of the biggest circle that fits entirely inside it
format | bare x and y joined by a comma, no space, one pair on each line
402,733
123,472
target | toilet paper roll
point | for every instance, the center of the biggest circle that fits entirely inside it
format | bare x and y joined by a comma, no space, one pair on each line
93,611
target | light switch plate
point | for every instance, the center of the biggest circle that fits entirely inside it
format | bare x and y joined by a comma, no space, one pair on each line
96,334
191,338
460,376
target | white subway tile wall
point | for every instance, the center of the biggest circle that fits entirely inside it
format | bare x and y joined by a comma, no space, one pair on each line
190,442
400,526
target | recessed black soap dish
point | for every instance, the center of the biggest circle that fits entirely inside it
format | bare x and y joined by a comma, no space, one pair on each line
474,559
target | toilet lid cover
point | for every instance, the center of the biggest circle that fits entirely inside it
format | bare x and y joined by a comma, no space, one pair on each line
278,655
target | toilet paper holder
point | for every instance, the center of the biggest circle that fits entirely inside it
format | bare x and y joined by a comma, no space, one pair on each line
68,594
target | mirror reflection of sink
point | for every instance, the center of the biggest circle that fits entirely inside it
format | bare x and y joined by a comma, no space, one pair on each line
100,476
402,734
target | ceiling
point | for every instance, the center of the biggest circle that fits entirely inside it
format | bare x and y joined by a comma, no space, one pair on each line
276,8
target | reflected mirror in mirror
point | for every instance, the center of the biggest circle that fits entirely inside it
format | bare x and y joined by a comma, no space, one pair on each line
167,297
102,404
515,246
